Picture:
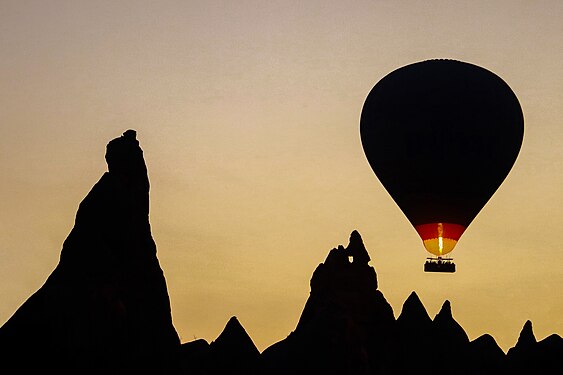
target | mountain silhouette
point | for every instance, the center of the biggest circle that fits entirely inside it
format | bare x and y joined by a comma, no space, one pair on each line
105,308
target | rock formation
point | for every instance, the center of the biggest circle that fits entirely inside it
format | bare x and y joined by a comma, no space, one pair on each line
450,343
233,352
346,325
414,329
485,356
531,356
105,308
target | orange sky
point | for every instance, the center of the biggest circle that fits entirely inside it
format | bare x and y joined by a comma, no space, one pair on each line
248,114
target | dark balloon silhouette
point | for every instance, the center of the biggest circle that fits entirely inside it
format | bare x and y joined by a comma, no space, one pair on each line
441,136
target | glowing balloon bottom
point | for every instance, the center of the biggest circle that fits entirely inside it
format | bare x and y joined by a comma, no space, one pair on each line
439,238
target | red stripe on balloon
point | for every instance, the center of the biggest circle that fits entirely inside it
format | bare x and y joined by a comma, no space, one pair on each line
432,230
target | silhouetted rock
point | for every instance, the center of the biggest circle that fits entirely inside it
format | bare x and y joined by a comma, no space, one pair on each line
414,329
530,356
447,330
485,356
414,322
195,357
522,356
414,314
550,354
527,339
346,326
233,352
357,250
451,342
105,308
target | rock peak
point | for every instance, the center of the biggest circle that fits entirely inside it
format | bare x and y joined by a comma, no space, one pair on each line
526,337
414,326
413,301
130,134
234,331
414,309
356,248
235,336
445,311
355,236
124,156
413,298
486,341
233,323
445,324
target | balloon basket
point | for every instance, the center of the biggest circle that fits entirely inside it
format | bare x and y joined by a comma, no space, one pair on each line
439,265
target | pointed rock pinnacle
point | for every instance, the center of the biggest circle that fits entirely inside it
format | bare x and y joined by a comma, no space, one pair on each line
414,309
526,337
357,249
446,310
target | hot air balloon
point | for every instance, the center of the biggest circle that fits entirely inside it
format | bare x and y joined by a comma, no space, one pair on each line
441,136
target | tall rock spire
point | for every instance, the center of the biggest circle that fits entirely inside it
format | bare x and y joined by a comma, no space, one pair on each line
414,311
357,250
346,325
527,337
105,308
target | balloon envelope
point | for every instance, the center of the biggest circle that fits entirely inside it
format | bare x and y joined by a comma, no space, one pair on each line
441,136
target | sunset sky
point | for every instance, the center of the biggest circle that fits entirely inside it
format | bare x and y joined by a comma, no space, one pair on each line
248,115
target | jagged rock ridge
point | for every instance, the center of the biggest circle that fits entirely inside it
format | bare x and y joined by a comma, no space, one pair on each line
347,327
105,309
